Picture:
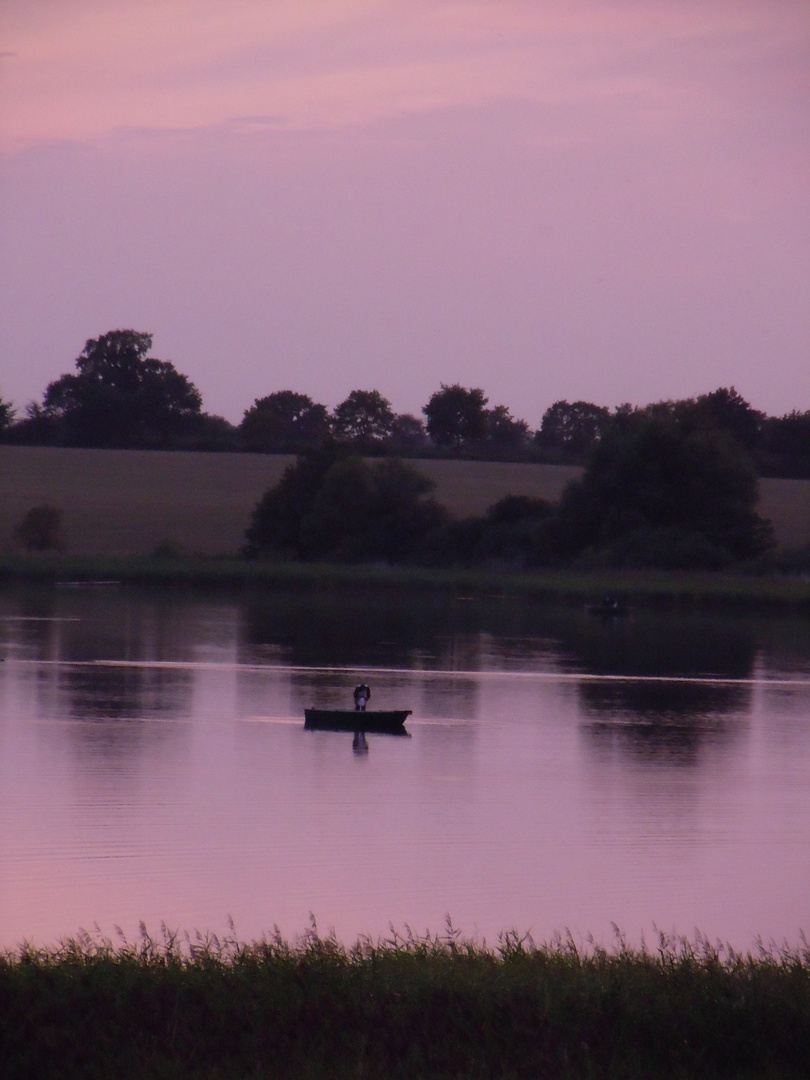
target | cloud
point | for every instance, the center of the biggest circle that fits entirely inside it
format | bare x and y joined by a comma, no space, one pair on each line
601,200
87,67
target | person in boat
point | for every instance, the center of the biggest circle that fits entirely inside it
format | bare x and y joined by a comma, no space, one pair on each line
361,696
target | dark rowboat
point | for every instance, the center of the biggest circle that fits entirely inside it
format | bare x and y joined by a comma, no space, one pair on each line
608,611
375,722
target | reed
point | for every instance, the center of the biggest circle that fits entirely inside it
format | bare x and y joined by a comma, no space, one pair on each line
406,1006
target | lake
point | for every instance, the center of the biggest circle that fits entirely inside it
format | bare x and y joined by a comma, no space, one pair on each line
563,772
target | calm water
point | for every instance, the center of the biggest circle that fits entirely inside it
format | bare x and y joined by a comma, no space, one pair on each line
562,772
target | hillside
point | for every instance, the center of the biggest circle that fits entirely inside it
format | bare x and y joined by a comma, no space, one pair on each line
130,501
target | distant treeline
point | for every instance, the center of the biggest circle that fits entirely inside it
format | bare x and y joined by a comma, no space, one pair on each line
119,397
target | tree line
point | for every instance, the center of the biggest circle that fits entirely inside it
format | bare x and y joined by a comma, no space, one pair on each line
662,489
120,397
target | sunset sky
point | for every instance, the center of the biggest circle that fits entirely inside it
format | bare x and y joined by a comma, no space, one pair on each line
605,200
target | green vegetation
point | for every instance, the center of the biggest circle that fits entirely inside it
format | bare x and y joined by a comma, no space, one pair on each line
651,589
283,423
120,397
128,502
431,1007
662,488
333,505
457,416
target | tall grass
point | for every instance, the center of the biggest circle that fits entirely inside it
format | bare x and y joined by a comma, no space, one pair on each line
404,1007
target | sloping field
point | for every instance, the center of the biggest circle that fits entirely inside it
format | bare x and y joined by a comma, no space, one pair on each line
123,502
127,502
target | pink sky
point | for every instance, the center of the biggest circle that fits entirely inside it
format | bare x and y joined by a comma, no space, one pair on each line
605,199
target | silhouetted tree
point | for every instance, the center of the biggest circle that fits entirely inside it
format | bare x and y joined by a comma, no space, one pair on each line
408,434
456,416
333,505
7,412
727,410
569,430
784,448
505,435
283,422
120,397
663,489
206,431
35,428
365,418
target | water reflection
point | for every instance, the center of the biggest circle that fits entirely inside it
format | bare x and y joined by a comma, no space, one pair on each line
663,723
650,643
343,629
122,692
562,771
678,704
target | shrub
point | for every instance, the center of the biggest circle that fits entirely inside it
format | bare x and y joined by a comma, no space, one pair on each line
41,529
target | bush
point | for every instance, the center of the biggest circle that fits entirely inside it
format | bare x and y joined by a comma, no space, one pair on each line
660,479
332,505
41,529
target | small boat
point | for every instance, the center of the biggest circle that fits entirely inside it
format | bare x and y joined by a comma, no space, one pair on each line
608,609
370,721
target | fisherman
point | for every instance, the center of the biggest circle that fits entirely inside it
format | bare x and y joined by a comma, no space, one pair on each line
361,696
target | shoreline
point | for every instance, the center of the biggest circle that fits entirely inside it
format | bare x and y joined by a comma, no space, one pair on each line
643,589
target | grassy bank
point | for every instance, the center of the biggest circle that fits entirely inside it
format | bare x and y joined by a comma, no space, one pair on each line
433,1007
639,588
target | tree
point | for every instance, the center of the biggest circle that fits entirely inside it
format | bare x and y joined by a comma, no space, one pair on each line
569,430
333,505
36,428
120,397
365,418
408,435
6,417
661,489
283,422
41,529
505,434
726,409
785,445
456,416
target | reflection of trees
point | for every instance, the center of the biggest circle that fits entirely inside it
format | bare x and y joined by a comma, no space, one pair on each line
653,717
113,692
70,629
662,721
346,629
650,643
114,706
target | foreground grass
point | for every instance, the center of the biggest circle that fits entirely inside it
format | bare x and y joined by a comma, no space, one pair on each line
434,1007
641,588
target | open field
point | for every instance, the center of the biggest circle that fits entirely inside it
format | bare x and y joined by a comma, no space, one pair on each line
436,1007
127,502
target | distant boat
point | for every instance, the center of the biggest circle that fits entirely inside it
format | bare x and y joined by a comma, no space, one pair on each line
608,608
371,721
